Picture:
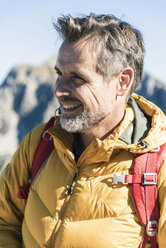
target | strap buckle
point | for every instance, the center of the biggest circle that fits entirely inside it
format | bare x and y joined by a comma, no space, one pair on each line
119,178
156,149
151,228
46,137
149,179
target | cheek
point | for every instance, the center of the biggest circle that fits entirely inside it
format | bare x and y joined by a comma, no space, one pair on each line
92,97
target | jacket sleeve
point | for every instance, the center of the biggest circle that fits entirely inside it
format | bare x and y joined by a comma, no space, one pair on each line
15,174
162,202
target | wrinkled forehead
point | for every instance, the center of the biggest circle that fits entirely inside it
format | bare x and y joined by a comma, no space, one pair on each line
78,52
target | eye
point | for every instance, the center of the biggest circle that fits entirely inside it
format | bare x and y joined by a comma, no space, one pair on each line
77,79
59,73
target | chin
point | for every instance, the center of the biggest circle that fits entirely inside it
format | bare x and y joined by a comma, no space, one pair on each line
82,122
71,125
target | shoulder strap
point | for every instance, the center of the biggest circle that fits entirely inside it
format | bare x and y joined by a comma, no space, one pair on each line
144,194
144,176
43,151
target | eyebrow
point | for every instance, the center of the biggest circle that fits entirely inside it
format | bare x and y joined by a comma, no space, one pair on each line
72,73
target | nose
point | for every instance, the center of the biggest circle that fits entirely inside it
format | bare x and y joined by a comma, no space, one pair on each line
61,88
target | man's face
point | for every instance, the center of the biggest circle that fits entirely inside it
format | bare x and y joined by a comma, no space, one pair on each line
85,97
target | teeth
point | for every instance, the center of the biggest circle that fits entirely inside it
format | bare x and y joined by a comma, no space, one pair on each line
71,106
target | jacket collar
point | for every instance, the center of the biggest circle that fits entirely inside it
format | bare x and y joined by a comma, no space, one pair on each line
101,150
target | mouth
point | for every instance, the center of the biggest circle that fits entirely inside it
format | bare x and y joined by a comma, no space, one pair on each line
70,107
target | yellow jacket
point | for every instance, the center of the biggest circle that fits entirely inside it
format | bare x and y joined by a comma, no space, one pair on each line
97,214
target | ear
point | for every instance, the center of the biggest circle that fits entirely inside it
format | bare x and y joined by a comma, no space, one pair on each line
125,80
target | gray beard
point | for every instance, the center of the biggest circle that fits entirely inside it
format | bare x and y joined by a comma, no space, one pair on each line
82,122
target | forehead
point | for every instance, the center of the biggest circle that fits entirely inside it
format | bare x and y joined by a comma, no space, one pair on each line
81,52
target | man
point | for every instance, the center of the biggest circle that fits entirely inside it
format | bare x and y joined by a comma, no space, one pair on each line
73,201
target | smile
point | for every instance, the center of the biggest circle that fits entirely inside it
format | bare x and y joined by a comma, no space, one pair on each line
71,109
71,106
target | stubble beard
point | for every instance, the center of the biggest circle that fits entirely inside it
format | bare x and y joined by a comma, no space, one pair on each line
83,122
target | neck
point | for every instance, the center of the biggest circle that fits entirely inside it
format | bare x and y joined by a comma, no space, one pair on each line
101,131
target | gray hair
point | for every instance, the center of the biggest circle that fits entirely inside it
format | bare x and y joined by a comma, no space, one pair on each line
120,44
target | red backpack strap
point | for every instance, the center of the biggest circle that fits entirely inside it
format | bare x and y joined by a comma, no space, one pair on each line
43,151
144,176
144,194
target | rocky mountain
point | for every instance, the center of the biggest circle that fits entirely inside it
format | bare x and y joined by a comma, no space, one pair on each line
153,90
26,100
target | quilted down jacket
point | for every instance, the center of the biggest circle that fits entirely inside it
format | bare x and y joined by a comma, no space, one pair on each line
97,214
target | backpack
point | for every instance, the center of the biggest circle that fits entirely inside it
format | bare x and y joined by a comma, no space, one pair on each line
143,182
43,151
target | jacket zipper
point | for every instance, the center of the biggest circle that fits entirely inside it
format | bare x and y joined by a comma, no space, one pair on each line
70,192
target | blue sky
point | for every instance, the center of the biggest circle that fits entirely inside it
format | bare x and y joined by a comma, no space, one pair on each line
27,35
